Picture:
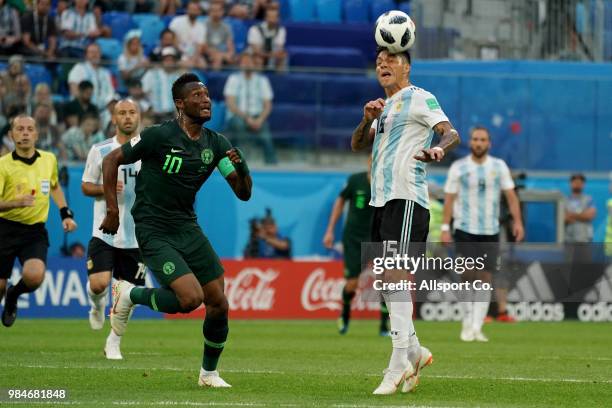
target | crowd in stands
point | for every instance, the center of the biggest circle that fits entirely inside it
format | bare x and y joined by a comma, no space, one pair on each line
73,111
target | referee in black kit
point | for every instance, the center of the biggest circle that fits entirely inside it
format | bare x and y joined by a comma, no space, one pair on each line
28,177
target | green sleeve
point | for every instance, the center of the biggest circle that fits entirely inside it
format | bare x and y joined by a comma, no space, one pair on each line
224,164
347,191
141,146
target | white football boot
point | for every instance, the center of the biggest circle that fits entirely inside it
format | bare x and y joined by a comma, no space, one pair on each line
392,380
425,359
479,336
112,349
467,334
212,379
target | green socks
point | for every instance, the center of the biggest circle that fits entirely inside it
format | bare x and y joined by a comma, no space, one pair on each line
160,299
215,334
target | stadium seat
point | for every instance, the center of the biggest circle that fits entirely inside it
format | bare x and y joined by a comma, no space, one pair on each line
329,11
303,10
239,30
217,120
331,57
150,33
294,123
356,11
37,74
111,48
337,125
119,22
379,7
296,88
285,10
144,19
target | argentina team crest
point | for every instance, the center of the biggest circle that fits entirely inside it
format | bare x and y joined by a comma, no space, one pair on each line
207,156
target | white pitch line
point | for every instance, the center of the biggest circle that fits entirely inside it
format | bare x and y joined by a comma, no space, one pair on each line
449,377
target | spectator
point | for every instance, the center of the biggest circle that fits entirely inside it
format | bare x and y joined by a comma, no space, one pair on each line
132,62
248,96
78,28
19,96
137,94
81,105
579,212
107,127
246,9
100,77
98,12
167,38
267,40
78,139
42,96
77,251
39,31
190,34
48,134
10,29
219,42
266,242
60,9
168,7
14,70
157,84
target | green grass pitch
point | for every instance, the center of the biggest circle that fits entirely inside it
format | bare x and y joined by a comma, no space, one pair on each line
305,363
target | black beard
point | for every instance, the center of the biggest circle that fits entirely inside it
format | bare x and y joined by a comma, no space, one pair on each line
478,156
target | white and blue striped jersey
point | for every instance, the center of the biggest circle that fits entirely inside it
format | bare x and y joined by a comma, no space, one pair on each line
478,188
402,131
126,235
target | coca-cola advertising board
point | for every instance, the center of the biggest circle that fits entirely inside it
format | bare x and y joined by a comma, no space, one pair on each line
268,289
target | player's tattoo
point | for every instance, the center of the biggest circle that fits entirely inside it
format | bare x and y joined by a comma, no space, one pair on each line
362,136
449,137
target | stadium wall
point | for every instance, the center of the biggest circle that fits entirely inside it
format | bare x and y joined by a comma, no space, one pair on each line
301,203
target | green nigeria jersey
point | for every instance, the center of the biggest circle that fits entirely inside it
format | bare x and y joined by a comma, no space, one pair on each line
359,218
173,169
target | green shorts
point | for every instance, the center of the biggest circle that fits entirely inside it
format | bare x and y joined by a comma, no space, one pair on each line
352,255
170,255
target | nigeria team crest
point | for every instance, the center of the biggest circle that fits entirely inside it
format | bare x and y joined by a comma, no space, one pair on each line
207,156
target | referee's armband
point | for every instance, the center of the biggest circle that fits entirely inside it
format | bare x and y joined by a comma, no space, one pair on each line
66,212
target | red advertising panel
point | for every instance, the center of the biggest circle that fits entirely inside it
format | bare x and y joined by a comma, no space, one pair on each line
265,289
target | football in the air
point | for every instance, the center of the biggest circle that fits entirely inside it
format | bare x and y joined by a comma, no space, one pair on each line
395,31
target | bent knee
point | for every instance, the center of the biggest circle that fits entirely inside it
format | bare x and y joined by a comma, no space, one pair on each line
190,302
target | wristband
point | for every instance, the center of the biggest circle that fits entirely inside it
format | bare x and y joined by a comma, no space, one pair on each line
241,168
66,212
445,228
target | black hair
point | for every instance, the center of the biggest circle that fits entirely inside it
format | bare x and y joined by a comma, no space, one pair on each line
480,127
84,85
89,115
178,86
405,54
578,176
164,31
131,83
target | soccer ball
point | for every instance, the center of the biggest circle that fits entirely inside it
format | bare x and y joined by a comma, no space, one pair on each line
395,31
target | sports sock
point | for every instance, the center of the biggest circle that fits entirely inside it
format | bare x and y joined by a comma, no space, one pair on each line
403,335
96,298
481,306
346,305
384,317
113,338
215,334
159,299
15,291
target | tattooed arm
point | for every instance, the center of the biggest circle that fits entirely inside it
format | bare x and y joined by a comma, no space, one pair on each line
449,139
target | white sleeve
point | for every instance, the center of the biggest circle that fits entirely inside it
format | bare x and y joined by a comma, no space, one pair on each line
428,110
66,21
175,25
281,38
452,180
253,37
506,177
122,63
231,86
266,90
93,167
109,89
374,124
146,79
77,74
91,23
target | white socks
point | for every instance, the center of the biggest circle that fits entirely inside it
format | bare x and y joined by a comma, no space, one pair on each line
113,338
98,300
403,336
475,310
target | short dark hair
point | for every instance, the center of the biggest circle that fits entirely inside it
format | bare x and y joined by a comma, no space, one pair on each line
85,85
579,176
405,54
480,127
164,31
89,115
178,87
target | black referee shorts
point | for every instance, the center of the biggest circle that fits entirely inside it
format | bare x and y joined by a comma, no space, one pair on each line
402,222
125,264
21,241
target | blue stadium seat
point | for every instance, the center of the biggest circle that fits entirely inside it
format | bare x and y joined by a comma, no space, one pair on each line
607,46
144,19
329,11
356,11
37,74
119,22
331,57
285,10
296,88
215,81
111,48
151,32
608,15
217,120
303,10
379,7
295,123
167,20
239,29
336,126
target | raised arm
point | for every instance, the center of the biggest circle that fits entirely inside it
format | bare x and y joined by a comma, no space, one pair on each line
363,135
239,180
449,139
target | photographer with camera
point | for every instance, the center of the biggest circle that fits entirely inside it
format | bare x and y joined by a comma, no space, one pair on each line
265,241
